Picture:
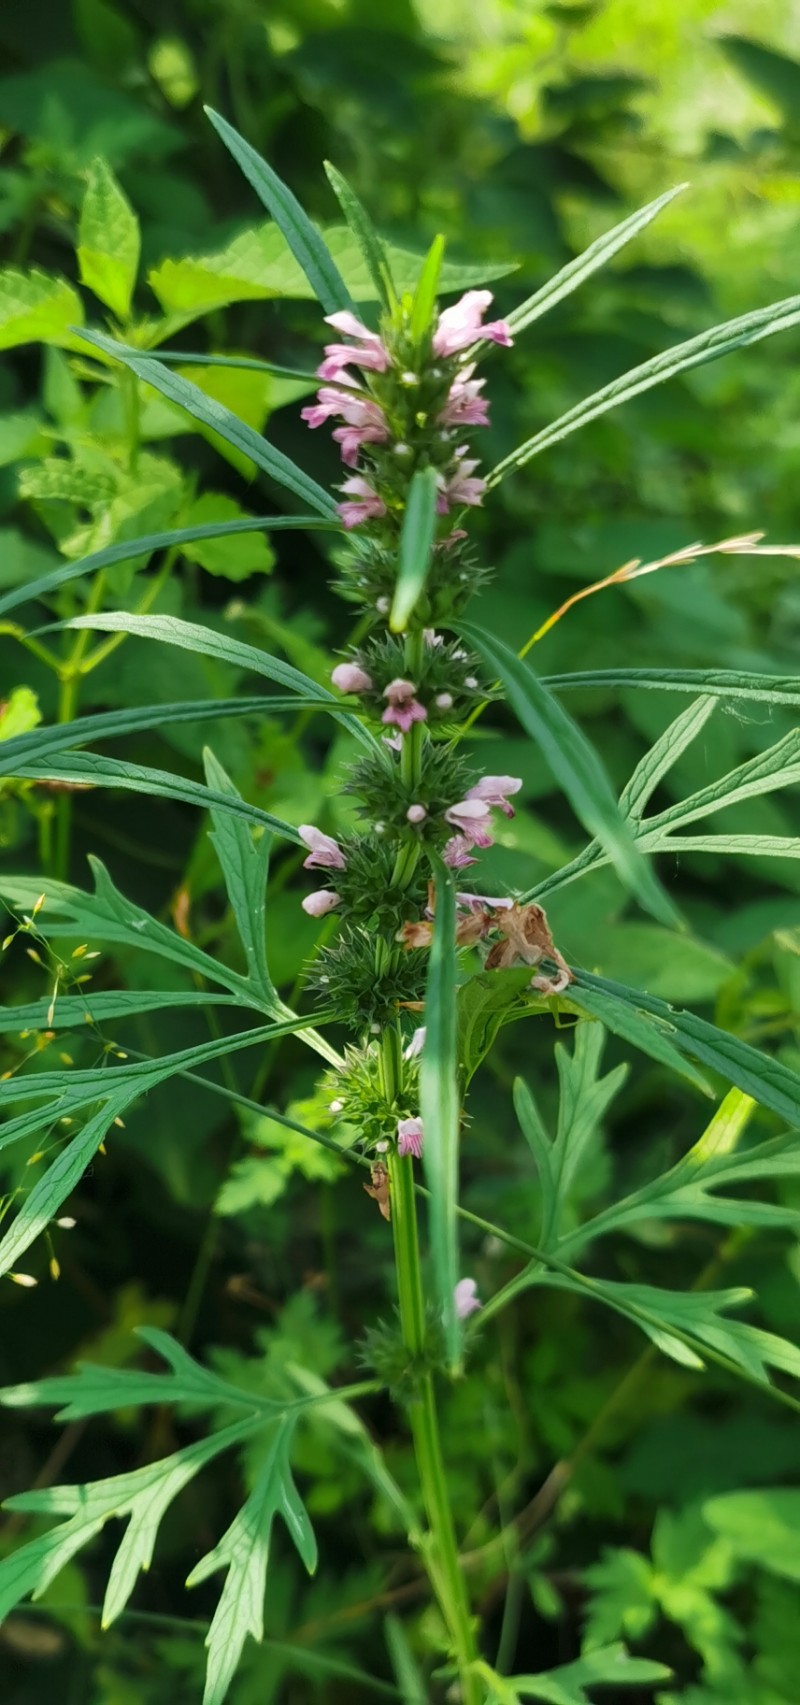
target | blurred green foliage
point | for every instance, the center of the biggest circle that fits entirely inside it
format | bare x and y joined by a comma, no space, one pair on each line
521,131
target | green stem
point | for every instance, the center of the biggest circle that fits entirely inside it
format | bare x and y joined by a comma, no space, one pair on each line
441,1555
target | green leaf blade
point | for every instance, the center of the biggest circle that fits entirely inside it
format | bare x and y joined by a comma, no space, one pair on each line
303,238
416,547
108,241
439,1103
218,418
574,765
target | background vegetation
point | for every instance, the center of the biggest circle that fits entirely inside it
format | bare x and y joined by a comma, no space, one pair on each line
521,131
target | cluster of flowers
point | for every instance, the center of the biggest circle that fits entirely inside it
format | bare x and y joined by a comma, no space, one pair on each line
396,418
470,816
404,401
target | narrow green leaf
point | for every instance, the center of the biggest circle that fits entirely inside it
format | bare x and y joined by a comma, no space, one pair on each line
606,1666
365,234
598,254
723,683
308,247
732,334
205,642
657,763
108,916
425,293
439,1106
39,743
575,765
75,1012
768,1081
108,241
411,1681
99,1390
220,419
245,867
540,1145
416,547
52,1189
126,549
192,358
244,1552
90,769
778,766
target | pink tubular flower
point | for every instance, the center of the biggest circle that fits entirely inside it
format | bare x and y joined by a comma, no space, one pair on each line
470,816
367,351
460,325
477,902
329,402
366,505
494,790
403,708
321,901
350,678
465,406
466,1298
324,853
461,487
353,438
456,854
410,1137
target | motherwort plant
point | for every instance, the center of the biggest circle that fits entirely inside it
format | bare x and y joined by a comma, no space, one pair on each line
417,968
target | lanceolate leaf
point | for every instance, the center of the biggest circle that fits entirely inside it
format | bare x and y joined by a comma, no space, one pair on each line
40,743
191,636
598,254
574,765
659,760
733,334
425,293
583,1099
440,1109
769,1082
220,419
416,547
88,768
245,867
302,237
244,1552
76,1012
126,549
365,234
722,683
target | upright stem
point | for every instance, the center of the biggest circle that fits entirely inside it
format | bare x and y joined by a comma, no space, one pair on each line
442,1558
441,1552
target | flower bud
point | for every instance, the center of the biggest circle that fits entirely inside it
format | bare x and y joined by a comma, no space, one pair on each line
350,678
321,901
444,701
416,813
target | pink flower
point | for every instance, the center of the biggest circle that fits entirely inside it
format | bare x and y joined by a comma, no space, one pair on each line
465,406
470,816
409,1137
460,487
466,1298
325,853
416,1045
368,350
460,325
493,789
366,504
477,902
403,708
353,438
321,901
350,678
456,854
329,402
395,741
